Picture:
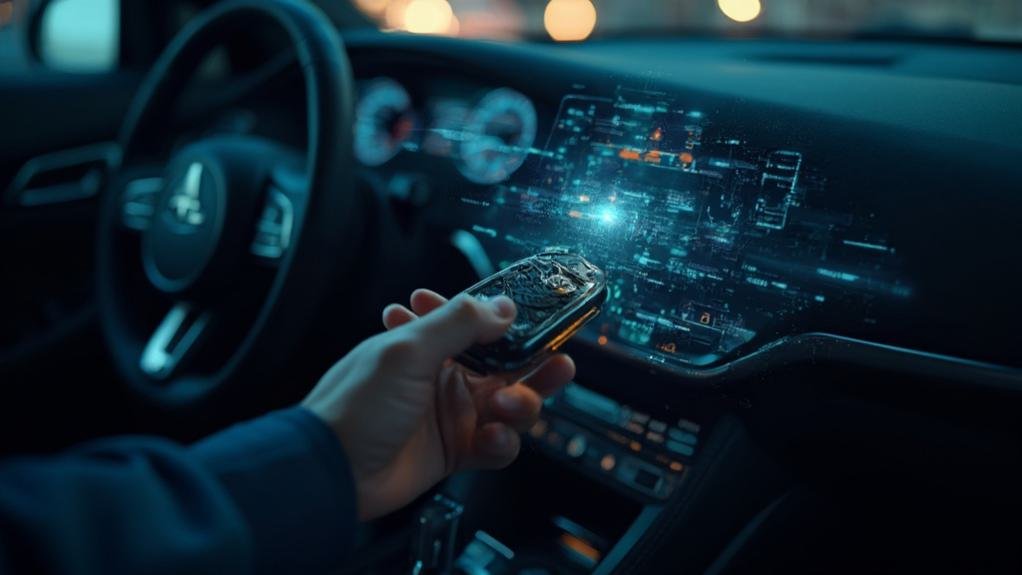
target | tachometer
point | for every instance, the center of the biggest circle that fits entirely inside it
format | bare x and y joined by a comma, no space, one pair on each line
497,137
384,121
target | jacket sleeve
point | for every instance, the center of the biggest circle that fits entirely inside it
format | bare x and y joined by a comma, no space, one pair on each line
272,495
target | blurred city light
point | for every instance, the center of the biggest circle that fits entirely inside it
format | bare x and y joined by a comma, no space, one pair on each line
569,20
416,16
740,10
6,12
372,7
566,20
428,17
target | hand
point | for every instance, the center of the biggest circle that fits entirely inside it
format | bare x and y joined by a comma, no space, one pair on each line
408,416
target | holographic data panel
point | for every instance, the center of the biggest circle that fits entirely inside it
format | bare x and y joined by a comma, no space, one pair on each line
709,243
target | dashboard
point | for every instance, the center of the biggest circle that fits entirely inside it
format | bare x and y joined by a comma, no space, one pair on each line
726,222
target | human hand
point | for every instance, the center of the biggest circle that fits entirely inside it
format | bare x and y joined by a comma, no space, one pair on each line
408,416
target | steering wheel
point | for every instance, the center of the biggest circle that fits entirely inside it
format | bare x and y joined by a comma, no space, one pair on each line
228,230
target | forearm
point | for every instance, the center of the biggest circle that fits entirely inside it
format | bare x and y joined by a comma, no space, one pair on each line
270,495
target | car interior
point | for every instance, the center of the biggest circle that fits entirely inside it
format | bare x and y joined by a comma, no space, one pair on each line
807,360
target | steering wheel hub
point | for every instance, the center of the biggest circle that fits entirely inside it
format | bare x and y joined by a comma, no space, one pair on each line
186,228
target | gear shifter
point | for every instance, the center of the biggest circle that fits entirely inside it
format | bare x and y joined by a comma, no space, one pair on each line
435,535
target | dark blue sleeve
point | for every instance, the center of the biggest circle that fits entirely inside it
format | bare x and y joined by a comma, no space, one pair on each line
271,495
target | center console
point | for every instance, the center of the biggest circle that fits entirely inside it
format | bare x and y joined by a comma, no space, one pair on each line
593,477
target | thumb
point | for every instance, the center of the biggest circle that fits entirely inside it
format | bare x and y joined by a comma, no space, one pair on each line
462,322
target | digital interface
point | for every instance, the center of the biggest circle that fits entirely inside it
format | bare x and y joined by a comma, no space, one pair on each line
709,241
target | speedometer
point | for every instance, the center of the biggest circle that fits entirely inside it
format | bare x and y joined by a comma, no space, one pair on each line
500,131
384,121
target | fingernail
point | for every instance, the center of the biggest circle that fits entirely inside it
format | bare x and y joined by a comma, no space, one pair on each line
508,401
503,306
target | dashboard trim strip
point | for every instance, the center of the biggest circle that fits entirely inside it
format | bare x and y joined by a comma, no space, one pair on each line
824,348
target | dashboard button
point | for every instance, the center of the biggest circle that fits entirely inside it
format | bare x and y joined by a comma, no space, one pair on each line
576,446
681,436
679,447
647,479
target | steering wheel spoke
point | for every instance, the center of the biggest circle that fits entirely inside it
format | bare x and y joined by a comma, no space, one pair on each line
173,340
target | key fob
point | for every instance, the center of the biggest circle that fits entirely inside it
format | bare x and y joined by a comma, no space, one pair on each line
556,293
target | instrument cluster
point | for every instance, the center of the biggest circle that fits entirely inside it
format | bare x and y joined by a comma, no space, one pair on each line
487,136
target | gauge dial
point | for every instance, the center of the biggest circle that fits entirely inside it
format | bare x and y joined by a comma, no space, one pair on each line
384,121
497,137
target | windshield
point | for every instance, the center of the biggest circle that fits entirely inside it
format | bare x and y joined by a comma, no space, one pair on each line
575,20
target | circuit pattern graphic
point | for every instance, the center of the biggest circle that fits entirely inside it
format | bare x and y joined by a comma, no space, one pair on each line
709,242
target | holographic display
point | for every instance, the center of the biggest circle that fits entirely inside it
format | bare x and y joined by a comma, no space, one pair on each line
711,243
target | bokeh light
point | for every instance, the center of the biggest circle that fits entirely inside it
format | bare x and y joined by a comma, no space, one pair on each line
740,10
6,12
569,20
372,7
416,16
428,16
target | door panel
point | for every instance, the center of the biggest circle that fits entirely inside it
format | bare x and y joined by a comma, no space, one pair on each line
51,354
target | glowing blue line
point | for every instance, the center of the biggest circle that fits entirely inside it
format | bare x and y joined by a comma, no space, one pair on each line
843,276
864,245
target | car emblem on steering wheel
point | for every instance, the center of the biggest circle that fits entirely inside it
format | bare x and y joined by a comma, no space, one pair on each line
185,206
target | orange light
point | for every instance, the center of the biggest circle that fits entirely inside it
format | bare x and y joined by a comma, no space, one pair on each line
740,10
635,446
421,16
581,547
569,20
607,462
575,214
394,14
602,340
428,16
538,429
627,154
372,7
685,157
6,12
676,467
652,157
657,135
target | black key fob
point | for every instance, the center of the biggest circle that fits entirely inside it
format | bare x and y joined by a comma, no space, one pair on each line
556,293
